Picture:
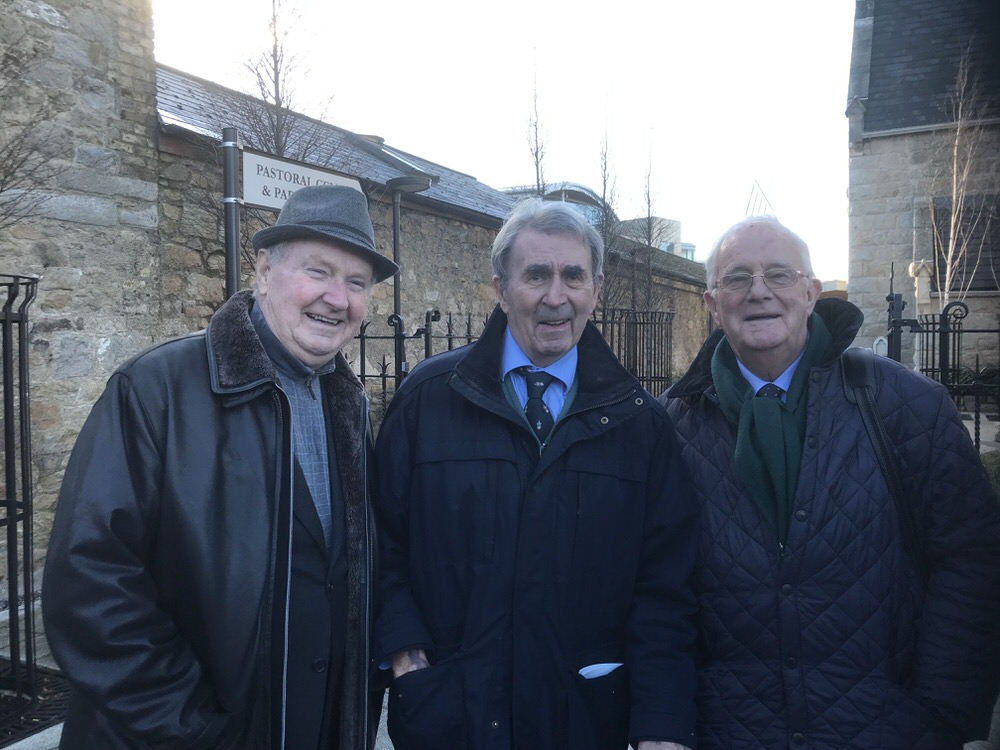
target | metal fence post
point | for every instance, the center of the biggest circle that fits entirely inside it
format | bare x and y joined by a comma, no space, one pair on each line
17,677
398,347
231,202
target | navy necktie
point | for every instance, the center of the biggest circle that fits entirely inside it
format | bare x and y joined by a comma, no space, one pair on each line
538,414
770,390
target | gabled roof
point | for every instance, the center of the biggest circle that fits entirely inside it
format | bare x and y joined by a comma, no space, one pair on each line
915,49
200,107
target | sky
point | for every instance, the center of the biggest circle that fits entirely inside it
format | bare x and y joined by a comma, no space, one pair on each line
708,98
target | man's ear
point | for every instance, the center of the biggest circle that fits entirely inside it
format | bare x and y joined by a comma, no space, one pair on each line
501,293
815,289
263,268
711,302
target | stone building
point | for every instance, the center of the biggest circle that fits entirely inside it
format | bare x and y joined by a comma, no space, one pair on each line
129,240
906,64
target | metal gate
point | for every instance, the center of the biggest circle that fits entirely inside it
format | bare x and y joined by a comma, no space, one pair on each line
642,341
964,359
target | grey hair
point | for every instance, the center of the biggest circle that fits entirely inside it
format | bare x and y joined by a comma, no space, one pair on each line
769,223
277,250
547,217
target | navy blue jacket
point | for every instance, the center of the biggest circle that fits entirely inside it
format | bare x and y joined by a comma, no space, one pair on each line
516,570
834,642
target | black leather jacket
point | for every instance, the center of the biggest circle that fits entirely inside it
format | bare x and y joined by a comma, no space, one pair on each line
160,571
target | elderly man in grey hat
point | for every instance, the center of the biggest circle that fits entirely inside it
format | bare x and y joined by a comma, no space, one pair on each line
208,576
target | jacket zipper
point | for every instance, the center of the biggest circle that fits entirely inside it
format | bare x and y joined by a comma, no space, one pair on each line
279,395
368,573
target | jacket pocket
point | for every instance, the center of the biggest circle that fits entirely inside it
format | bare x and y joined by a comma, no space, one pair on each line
455,488
426,710
599,714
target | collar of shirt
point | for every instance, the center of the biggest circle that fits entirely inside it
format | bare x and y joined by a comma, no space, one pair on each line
563,369
783,381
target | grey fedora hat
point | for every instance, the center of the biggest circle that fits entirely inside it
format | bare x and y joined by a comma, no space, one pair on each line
332,212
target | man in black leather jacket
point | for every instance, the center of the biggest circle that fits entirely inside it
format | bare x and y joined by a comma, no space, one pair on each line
207,580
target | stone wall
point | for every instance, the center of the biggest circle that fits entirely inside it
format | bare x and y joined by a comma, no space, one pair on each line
691,325
892,179
93,240
130,245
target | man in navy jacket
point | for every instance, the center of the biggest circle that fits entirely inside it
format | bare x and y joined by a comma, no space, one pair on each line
535,559
818,628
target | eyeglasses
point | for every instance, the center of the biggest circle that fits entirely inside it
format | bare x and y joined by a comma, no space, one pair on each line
774,278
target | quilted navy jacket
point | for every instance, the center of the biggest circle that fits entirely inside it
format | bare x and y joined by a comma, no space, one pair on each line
832,640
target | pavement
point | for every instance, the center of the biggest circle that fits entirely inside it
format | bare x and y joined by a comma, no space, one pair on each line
48,739
989,430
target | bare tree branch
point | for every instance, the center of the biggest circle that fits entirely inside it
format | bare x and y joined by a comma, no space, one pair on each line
28,161
961,223
618,270
267,118
536,144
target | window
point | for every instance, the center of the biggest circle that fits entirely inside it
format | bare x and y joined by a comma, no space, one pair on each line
975,263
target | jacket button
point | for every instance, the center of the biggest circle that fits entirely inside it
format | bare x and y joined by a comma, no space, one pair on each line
319,665
786,588
495,724
798,738
791,662
801,515
604,420
638,401
329,587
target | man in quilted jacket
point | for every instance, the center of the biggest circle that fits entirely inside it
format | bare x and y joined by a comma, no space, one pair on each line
823,624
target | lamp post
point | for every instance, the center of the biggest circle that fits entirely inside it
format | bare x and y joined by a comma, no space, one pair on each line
398,186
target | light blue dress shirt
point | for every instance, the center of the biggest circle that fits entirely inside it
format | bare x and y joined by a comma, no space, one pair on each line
563,370
782,381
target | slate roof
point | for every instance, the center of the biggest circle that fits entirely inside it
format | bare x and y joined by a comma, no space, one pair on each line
194,105
198,106
916,46
667,264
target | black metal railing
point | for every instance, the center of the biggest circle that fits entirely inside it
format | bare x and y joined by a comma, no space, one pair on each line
643,342
965,359
18,675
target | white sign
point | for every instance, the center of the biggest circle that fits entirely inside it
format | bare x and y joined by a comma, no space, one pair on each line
268,181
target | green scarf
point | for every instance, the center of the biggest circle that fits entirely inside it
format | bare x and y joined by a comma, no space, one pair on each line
769,433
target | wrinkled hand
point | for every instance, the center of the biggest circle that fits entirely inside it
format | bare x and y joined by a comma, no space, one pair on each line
650,745
408,661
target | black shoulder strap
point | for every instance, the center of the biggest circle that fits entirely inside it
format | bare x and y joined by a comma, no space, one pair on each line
861,386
